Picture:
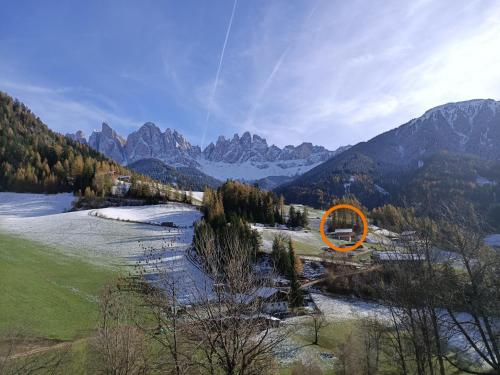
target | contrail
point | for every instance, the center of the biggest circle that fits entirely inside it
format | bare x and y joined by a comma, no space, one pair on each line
265,86
216,82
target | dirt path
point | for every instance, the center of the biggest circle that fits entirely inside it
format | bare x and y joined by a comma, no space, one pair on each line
32,349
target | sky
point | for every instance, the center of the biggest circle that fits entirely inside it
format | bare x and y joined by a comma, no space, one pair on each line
329,72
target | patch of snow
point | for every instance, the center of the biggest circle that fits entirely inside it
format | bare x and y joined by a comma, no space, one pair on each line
482,181
339,309
102,240
182,215
32,205
381,190
198,195
382,231
302,236
493,240
250,171
174,270
347,188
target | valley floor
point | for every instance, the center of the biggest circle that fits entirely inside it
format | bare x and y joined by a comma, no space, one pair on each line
53,265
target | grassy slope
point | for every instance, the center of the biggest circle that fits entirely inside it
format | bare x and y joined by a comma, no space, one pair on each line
330,338
45,293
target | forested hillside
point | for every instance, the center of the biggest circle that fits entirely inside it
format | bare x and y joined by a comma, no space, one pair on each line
448,157
33,158
186,178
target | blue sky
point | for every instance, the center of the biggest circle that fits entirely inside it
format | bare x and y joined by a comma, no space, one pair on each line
324,71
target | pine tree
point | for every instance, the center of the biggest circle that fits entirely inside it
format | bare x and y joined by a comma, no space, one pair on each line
279,254
305,217
296,297
291,217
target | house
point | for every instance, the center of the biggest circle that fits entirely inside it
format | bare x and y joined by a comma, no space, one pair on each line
124,178
344,234
396,256
120,188
272,300
408,235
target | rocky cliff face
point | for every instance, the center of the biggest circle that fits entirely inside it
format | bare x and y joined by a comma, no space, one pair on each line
247,157
109,143
170,147
79,136
255,149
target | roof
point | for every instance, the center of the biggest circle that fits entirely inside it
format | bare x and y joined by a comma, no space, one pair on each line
348,230
266,292
397,256
262,292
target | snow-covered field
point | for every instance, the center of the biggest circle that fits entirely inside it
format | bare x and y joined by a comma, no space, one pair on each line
173,270
124,240
82,234
340,309
197,195
181,214
309,237
31,205
493,240
123,235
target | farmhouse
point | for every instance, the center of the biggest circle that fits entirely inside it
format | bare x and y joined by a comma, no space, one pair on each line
273,300
343,234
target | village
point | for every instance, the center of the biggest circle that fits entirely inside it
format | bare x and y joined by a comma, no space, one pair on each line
327,278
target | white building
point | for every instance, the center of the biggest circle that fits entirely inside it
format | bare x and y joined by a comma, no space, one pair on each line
274,300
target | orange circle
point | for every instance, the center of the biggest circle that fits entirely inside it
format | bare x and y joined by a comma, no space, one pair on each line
323,222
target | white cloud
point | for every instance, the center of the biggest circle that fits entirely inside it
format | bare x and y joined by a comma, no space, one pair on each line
352,70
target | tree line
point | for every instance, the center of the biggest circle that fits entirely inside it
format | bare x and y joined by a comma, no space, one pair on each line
35,159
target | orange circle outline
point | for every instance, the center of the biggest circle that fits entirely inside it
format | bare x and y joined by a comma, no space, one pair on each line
323,222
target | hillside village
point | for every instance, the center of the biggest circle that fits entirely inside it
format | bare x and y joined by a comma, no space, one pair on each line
326,280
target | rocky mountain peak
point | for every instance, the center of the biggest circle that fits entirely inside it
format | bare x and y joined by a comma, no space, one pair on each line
254,148
251,152
109,143
79,136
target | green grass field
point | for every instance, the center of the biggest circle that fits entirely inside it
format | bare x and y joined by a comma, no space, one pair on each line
45,293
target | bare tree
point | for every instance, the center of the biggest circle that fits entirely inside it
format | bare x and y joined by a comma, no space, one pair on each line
231,320
159,286
411,294
319,321
118,347
209,309
474,290
372,332
445,308
348,361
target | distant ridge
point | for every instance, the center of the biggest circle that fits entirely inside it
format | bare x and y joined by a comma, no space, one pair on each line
246,157
436,158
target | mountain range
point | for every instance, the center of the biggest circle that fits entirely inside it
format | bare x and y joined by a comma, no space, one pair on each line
450,153
244,157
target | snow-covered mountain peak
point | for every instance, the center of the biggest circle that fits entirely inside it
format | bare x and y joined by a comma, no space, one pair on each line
245,157
468,110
